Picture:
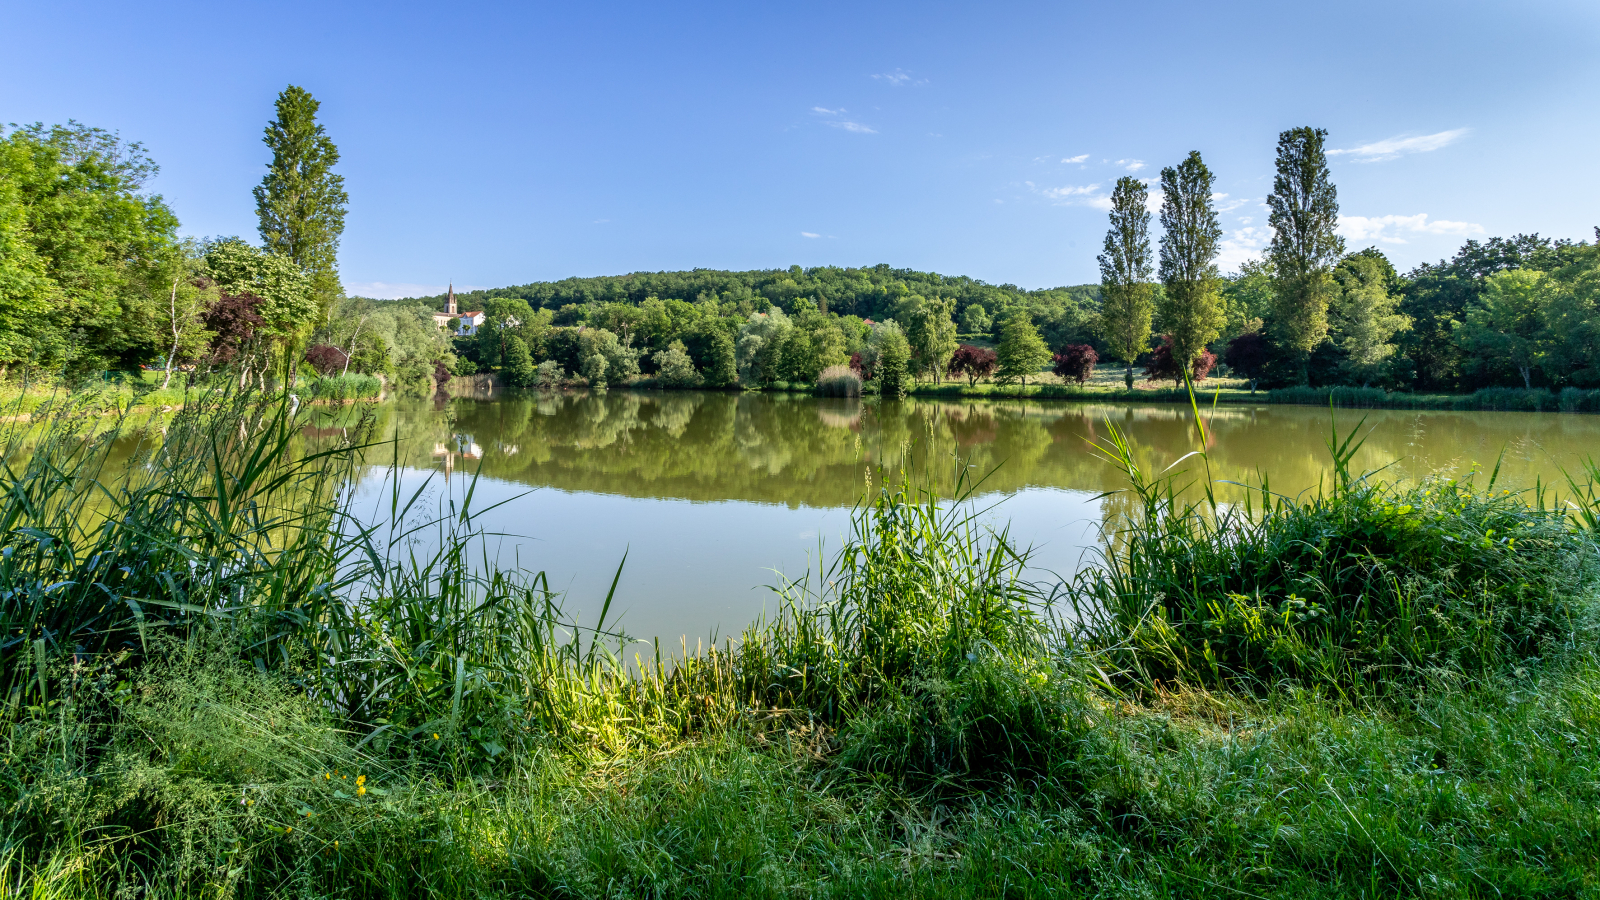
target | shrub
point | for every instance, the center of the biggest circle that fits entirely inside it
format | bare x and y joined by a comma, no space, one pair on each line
1162,365
326,359
973,362
550,374
1076,361
594,370
839,381
1248,356
675,368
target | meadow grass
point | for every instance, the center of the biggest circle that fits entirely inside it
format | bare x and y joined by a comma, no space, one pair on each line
219,682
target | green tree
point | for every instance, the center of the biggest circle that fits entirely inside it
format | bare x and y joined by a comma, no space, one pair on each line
674,367
1246,298
1126,305
301,203
594,370
187,298
519,370
1506,327
975,319
1364,320
931,330
83,254
1190,309
1304,213
287,304
1022,352
892,359
721,369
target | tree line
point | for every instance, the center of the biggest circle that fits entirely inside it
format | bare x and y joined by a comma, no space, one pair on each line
95,278
1514,312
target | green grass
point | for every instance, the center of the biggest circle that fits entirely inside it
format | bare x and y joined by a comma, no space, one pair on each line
224,685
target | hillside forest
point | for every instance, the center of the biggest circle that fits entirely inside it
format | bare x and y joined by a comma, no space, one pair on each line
96,281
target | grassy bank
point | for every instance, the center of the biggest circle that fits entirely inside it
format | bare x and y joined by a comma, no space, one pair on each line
217,682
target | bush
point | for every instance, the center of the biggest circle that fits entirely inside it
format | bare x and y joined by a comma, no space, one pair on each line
1076,361
326,359
839,381
973,362
1578,400
550,374
1162,366
675,368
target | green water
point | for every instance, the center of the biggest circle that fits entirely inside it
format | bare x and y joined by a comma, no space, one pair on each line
710,494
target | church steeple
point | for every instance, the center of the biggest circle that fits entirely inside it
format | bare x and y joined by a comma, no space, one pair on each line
450,300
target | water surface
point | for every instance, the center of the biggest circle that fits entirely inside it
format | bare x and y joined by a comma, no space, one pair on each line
712,494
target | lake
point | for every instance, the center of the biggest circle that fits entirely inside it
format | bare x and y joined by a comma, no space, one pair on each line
712,494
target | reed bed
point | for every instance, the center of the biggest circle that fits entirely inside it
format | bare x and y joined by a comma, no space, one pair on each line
220,681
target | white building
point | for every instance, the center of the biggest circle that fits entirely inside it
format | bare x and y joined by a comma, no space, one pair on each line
469,320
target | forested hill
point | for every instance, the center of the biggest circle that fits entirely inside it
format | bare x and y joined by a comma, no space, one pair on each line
869,292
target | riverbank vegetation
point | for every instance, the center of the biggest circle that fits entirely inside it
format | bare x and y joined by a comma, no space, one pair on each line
218,680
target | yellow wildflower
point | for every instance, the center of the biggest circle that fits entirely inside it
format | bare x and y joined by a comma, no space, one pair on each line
360,780
360,791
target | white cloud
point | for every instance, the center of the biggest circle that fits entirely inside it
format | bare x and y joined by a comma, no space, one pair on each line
1241,245
393,290
1072,160
900,78
1400,145
856,127
1388,229
808,234
823,110
1132,165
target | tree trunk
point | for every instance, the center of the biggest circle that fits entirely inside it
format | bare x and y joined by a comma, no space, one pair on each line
1127,377
1526,371
172,307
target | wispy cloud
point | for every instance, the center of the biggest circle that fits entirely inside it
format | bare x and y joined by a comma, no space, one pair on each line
844,124
900,78
1389,229
1401,145
808,234
397,290
1224,203
1073,160
1132,165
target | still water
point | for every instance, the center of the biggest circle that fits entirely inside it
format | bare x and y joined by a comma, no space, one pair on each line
711,495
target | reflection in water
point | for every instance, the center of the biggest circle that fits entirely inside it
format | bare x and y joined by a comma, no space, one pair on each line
803,452
709,493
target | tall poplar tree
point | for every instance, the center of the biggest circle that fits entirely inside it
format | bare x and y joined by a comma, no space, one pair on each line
1191,309
1304,212
301,202
1126,304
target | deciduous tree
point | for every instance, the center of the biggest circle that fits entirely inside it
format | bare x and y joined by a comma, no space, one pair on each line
1364,320
1126,304
300,202
1021,352
1190,309
1304,213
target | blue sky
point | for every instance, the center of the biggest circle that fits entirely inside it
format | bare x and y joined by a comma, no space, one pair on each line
498,144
